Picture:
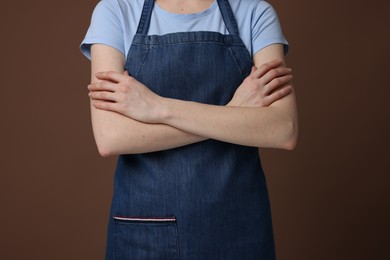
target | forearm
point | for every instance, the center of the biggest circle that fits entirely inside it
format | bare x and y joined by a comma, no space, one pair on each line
272,126
182,122
116,134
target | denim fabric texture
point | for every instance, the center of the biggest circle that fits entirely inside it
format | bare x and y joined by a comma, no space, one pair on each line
207,200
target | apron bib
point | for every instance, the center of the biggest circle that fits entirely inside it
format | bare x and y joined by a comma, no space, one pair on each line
202,201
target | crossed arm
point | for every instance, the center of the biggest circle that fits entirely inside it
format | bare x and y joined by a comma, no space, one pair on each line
129,118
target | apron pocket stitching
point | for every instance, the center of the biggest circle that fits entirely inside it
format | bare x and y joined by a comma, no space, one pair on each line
145,219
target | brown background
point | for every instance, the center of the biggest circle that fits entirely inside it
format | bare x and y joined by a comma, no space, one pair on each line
329,197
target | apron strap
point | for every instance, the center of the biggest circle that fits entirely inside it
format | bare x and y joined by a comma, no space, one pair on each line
228,17
144,21
224,6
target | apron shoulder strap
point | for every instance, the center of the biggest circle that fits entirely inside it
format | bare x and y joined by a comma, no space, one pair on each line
228,16
144,21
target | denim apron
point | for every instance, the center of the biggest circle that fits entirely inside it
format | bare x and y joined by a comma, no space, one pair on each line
202,201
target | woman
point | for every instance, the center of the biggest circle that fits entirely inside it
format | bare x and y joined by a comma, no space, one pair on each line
175,94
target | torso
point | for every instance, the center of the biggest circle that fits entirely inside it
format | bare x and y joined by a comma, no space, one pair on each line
206,200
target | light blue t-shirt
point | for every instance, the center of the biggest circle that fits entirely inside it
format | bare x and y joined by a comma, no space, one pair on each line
114,23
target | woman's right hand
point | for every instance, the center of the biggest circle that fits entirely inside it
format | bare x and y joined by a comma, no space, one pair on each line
263,86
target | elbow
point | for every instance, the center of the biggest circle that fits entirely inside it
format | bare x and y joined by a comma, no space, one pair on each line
290,136
290,144
110,143
106,145
104,151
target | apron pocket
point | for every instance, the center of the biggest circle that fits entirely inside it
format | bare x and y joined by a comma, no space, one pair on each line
145,238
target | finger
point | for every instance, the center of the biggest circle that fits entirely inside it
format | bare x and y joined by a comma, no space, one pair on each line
274,74
277,95
276,83
125,73
102,95
104,105
110,75
252,74
263,69
102,86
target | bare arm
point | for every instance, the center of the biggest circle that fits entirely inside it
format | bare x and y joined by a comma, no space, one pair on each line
274,126
117,134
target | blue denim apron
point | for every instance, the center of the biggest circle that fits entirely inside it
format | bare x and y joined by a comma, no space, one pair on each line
203,201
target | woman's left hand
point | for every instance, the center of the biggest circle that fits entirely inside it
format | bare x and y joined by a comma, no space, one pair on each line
124,94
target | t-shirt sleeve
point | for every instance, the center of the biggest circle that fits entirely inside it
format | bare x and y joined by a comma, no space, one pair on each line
266,29
105,28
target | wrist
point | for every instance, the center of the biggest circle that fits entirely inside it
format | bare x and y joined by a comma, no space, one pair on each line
164,113
174,111
231,104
